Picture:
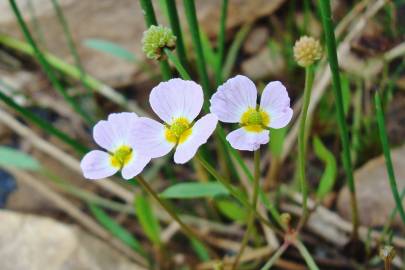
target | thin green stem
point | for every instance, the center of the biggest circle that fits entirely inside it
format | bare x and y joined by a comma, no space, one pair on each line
275,256
43,124
150,19
189,8
45,65
179,66
387,155
69,38
333,64
234,192
306,255
251,217
221,41
302,142
187,230
176,28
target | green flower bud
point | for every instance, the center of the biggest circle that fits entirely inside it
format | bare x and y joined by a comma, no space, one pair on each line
307,50
155,39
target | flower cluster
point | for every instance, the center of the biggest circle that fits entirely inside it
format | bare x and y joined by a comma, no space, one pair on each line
155,39
307,50
130,142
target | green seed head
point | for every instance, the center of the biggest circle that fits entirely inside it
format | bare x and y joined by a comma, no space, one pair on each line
155,39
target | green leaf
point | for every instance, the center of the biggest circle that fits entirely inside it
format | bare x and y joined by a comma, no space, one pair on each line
194,190
10,157
116,229
110,48
147,219
231,209
329,175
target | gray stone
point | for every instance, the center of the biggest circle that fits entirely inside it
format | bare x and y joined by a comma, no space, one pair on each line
374,197
29,242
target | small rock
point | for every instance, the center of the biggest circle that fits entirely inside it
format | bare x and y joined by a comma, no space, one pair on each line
374,197
256,40
37,243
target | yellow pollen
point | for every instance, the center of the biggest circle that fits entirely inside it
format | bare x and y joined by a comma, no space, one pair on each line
178,131
121,156
255,120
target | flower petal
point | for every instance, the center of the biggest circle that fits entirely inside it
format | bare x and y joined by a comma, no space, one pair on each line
115,131
233,98
249,141
177,98
201,131
135,166
276,103
96,165
148,138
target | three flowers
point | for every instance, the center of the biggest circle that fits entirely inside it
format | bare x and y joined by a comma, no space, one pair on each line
130,141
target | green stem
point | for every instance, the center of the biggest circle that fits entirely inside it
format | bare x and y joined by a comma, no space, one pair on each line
43,124
387,155
177,63
234,192
189,8
175,25
69,39
302,142
275,256
221,41
45,65
150,19
306,255
187,230
251,218
333,64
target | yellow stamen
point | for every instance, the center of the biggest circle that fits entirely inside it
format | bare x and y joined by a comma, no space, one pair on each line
178,131
255,120
121,156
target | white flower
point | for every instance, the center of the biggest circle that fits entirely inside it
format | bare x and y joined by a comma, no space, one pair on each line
236,102
177,103
121,152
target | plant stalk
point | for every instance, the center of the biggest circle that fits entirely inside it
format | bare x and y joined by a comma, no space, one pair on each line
221,42
330,39
251,218
302,142
187,230
306,255
175,25
150,19
387,155
189,8
235,193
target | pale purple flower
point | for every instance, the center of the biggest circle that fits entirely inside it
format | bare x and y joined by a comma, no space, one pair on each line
177,103
121,153
236,102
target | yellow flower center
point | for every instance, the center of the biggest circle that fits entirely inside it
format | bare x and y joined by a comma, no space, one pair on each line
255,120
178,131
120,157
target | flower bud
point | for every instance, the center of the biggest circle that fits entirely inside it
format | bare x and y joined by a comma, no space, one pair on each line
155,39
307,50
